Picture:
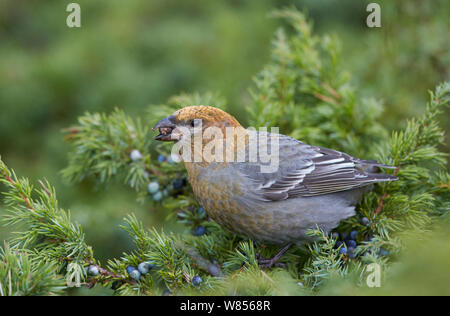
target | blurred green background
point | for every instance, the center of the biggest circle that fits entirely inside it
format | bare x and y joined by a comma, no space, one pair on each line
130,54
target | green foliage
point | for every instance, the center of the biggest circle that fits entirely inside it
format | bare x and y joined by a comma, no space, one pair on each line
420,269
304,92
395,66
325,261
23,274
103,146
49,230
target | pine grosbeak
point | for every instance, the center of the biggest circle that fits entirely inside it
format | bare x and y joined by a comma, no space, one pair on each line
313,186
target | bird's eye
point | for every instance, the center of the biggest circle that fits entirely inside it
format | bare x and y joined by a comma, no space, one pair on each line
196,122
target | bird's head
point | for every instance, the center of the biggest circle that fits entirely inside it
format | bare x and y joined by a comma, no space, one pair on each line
188,120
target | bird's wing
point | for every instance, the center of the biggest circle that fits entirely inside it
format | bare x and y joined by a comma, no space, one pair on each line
306,170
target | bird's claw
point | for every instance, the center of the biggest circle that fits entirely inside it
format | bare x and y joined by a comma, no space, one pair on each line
270,263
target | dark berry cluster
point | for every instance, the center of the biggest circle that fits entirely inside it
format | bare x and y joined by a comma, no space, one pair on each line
346,243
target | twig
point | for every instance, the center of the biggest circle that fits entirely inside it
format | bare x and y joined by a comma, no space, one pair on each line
325,98
380,204
267,277
105,273
332,91
14,184
201,262
44,188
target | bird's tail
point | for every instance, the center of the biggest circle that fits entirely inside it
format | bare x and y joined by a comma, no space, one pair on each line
374,163
380,177
372,167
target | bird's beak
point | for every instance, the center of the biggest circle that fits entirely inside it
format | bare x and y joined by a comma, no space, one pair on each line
165,127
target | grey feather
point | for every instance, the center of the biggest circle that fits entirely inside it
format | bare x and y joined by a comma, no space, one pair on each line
306,170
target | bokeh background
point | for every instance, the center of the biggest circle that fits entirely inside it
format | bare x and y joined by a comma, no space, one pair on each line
132,54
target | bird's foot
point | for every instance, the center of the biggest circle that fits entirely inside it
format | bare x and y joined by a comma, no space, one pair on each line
269,263
273,262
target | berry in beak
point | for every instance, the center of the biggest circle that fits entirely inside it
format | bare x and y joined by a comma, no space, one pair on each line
165,127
